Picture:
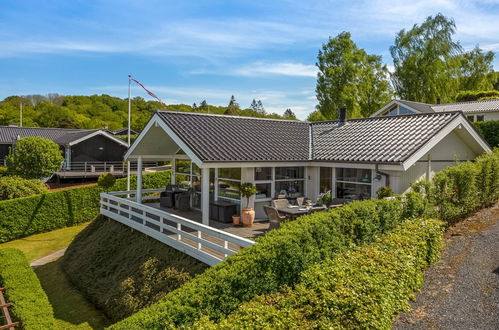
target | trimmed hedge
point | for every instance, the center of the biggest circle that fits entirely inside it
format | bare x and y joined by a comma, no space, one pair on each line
31,306
489,130
16,187
457,191
277,260
41,213
361,288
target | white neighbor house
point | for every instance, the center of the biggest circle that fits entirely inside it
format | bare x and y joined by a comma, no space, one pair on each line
213,154
486,110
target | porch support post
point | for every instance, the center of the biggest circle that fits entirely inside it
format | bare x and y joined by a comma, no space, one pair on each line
68,157
139,180
172,171
205,195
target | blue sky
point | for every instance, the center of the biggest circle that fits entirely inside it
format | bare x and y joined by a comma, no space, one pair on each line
187,51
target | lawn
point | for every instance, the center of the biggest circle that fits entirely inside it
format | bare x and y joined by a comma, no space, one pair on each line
71,309
41,245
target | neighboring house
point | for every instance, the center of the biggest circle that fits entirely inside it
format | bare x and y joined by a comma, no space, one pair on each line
353,158
123,131
486,110
83,150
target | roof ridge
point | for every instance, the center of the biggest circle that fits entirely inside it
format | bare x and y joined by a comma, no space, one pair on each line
52,128
227,116
388,117
465,102
430,104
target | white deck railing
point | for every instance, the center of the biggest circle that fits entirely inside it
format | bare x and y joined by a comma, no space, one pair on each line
205,243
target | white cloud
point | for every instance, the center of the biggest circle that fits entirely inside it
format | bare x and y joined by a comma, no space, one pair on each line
284,69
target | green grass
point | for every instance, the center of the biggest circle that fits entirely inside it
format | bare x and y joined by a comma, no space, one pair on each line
71,309
41,245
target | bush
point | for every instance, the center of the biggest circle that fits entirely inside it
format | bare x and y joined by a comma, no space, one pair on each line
3,171
489,131
122,270
361,288
31,306
459,190
41,213
106,181
384,192
34,158
16,187
278,259
466,96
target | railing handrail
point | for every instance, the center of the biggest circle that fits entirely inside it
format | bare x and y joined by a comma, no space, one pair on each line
133,209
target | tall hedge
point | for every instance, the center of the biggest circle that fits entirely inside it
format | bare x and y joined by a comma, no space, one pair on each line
277,260
41,213
458,190
361,288
489,130
31,306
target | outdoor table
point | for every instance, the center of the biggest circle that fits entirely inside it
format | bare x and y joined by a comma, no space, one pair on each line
294,212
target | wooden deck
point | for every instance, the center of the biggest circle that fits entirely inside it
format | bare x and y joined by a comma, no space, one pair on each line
258,229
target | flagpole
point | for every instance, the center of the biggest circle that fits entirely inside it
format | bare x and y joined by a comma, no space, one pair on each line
129,115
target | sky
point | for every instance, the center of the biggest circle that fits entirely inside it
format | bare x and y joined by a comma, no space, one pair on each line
187,51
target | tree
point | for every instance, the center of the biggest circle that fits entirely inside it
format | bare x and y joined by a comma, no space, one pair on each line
259,107
429,64
34,158
203,106
106,181
233,107
347,75
477,70
316,116
254,105
194,106
288,114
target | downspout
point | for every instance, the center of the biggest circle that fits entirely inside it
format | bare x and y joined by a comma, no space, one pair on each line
386,175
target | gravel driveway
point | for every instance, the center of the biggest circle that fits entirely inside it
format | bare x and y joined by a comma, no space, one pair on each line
461,291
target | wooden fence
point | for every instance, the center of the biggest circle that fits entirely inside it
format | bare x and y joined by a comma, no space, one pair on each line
4,307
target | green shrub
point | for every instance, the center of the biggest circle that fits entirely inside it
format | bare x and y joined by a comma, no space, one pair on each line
361,288
466,96
31,306
278,259
34,158
16,187
247,190
384,192
41,213
459,190
106,181
489,130
3,171
122,270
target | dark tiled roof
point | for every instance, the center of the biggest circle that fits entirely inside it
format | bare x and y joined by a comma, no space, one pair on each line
9,134
234,138
378,139
389,139
419,106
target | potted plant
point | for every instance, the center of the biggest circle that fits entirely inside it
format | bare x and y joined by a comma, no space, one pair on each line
248,214
324,198
236,219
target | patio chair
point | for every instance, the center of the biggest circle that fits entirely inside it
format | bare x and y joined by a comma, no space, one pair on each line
302,201
336,202
183,200
280,203
274,218
166,199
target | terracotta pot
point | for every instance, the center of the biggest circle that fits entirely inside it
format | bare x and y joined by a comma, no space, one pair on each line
248,216
236,219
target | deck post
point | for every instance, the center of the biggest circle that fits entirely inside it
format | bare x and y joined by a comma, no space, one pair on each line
139,180
205,195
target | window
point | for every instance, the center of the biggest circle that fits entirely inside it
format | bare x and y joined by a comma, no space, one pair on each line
263,190
188,175
471,118
263,173
480,117
286,173
393,112
290,181
229,180
325,181
399,110
353,183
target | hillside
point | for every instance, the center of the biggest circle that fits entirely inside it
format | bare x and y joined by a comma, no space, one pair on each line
100,111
